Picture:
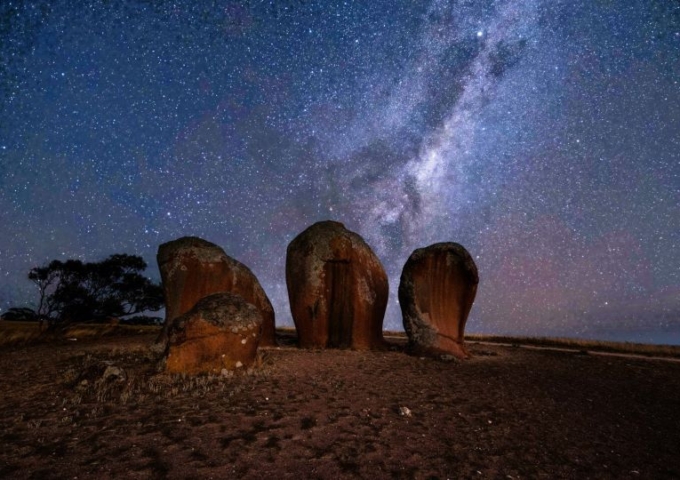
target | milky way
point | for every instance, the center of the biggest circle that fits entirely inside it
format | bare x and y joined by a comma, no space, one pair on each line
544,136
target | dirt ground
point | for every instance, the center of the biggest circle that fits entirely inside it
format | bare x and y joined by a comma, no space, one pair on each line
100,409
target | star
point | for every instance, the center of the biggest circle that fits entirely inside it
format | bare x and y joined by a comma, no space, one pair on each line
541,136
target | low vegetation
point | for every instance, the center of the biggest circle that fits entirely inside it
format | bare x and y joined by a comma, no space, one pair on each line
74,291
672,351
134,374
23,333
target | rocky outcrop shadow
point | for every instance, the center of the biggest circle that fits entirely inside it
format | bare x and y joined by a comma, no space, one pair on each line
436,291
337,289
192,268
218,335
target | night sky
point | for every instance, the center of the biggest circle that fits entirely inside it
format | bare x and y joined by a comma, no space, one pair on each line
544,136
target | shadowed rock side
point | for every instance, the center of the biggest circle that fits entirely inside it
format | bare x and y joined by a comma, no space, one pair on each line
192,268
436,292
222,331
337,289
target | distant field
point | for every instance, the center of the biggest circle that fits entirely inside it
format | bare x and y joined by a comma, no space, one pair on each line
20,333
583,345
17,333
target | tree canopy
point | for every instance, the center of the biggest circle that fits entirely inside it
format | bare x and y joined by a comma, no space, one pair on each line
76,291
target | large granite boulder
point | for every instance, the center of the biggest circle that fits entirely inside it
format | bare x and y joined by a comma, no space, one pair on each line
436,291
192,268
222,331
337,289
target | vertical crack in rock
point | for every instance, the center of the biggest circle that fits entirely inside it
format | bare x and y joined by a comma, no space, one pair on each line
340,315
337,288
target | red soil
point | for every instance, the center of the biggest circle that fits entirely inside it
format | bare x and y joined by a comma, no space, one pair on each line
506,413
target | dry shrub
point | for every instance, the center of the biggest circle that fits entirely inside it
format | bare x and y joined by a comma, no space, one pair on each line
19,333
95,330
23,333
142,378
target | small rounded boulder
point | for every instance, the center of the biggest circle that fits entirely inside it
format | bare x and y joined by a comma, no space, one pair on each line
222,331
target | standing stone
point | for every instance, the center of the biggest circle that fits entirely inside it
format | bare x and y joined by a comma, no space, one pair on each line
337,289
436,291
192,268
222,331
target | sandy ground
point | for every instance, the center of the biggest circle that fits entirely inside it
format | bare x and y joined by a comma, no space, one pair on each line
507,413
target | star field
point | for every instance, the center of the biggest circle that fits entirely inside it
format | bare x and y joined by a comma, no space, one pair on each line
543,136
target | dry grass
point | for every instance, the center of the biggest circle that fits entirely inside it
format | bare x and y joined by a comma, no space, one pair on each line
583,345
19,333
23,333
134,375
85,330
671,351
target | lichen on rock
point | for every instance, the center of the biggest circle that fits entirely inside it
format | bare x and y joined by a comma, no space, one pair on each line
221,332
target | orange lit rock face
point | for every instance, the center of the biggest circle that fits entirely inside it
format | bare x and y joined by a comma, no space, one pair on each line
222,331
337,289
436,292
192,268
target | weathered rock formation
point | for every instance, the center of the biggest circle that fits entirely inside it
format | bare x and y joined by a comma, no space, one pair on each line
436,291
192,268
221,332
337,289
